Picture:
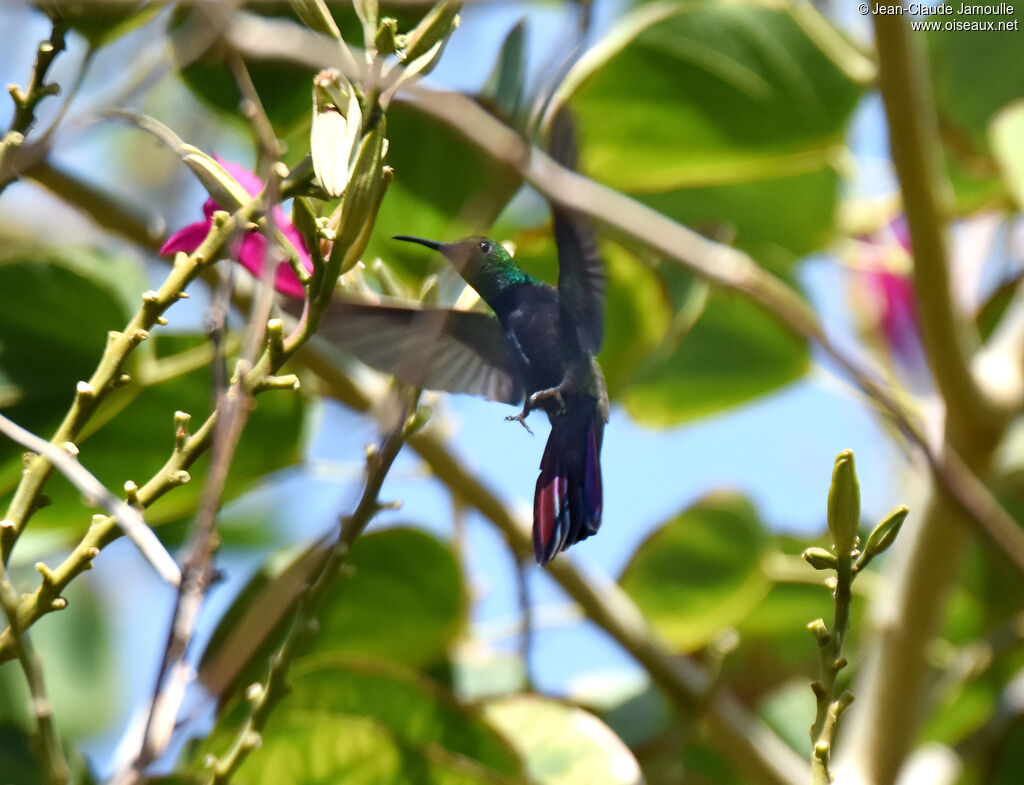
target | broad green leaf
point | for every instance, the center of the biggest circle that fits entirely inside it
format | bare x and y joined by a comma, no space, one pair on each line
323,748
100,22
701,571
974,73
412,707
403,600
734,354
53,328
739,103
444,189
563,744
775,219
82,680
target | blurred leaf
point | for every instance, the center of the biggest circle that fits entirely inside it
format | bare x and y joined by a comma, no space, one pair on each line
974,73
376,723
737,102
504,87
401,599
50,338
322,748
137,436
100,22
700,571
734,353
82,677
410,706
789,711
561,743
1006,133
17,762
444,189
774,237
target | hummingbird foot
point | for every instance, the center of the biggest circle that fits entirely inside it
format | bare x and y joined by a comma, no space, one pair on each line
521,419
552,392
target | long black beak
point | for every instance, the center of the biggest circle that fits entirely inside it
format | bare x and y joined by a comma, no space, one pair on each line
442,247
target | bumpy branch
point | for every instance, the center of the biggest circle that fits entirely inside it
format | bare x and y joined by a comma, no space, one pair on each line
25,101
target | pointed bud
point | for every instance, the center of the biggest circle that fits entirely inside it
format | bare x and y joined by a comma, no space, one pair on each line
820,559
433,28
315,15
386,41
844,504
883,535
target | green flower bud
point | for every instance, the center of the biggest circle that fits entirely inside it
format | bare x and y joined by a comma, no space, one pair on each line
820,559
883,535
844,504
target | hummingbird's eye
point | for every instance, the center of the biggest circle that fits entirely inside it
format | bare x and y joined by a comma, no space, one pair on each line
484,247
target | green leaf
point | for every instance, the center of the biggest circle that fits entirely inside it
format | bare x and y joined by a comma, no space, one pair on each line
82,679
974,73
734,354
740,212
562,744
371,711
1006,134
410,706
404,600
701,571
100,22
443,189
705,110
401,599
322,748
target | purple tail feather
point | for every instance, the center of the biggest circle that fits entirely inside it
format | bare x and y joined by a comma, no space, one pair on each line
567,501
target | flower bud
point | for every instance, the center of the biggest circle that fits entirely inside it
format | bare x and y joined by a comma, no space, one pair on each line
844,504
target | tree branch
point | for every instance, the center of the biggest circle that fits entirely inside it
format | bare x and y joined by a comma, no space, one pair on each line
949,337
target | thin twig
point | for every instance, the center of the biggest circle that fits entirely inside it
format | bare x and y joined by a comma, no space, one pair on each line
51,752
66,462
25,101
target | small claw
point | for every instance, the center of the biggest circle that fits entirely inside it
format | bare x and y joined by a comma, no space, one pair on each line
521,419
540,395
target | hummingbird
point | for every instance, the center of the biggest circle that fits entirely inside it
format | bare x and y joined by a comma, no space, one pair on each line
551,336
537,346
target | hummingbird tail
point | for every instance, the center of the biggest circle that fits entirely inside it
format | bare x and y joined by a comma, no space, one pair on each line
567,501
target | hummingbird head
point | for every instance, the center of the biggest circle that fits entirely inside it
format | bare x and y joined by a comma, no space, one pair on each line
483,263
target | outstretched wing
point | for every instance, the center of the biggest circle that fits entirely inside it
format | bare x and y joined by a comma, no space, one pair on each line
434,348
581,280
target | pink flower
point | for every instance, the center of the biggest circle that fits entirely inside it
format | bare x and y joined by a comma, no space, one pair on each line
890,292
253,248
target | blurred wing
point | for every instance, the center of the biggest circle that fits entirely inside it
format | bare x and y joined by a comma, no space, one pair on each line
580,274
434,348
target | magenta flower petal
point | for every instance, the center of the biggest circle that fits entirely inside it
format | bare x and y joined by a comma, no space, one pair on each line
248,180
252,250
186,239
